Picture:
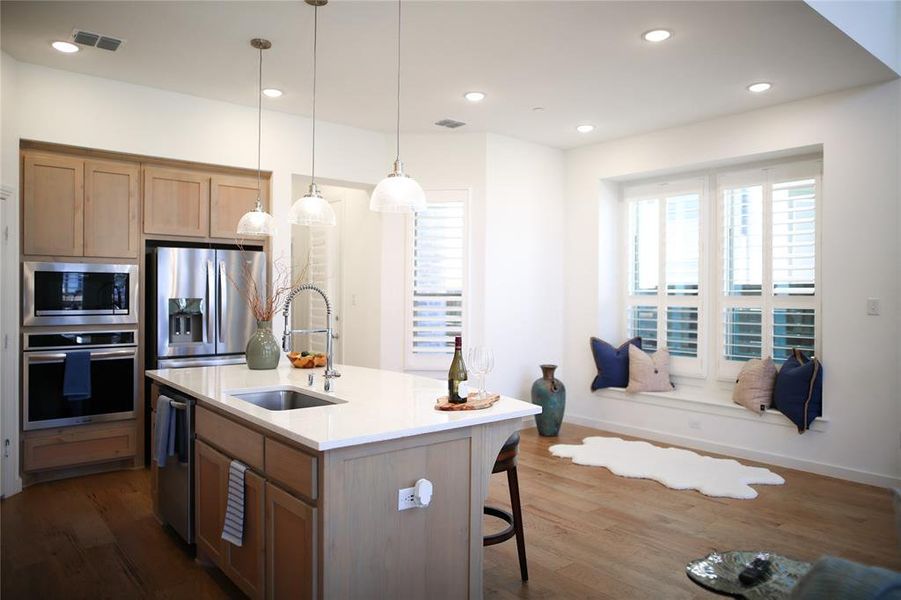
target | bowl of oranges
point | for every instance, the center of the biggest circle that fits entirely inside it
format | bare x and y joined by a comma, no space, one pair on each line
307,360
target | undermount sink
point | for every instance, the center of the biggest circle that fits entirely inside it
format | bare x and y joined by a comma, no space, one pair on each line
283,399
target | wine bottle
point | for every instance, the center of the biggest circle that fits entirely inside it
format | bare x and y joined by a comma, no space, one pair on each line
456,375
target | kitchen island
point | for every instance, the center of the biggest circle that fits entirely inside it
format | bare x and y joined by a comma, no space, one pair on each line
322,489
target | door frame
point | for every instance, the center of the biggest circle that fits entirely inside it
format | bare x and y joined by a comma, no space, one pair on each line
10,477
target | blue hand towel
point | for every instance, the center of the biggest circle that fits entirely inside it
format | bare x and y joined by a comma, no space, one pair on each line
165,431
77,376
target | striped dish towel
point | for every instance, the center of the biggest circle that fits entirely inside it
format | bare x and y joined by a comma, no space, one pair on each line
233,528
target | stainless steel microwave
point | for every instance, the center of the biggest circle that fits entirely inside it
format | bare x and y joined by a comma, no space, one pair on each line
61,293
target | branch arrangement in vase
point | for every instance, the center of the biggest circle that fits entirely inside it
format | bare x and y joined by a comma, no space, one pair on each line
263,305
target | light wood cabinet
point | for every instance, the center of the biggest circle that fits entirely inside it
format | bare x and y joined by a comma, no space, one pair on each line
85,444
245,564
210,494
230,198
53,205
290,546
111,209
176,202
75,207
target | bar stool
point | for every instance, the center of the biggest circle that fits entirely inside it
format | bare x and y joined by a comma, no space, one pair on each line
506,461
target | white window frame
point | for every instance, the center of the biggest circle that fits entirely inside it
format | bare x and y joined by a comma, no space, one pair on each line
767,301
679,365
710,366
438,361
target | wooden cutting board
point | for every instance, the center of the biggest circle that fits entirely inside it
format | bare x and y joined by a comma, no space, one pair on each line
472,402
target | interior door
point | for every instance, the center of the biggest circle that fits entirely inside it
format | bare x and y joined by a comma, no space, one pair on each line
185,312
236,272
324,248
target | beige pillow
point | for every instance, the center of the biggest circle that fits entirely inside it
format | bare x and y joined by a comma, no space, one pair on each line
648,372
754,386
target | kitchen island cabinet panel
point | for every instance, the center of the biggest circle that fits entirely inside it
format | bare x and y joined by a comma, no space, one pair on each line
290,546
210,494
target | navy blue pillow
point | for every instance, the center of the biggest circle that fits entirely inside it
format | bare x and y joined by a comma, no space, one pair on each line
799,390
612,363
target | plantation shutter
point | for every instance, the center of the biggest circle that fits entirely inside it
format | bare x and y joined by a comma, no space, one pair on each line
436,312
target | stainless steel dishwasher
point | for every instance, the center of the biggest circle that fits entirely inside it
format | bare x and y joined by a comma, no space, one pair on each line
176,477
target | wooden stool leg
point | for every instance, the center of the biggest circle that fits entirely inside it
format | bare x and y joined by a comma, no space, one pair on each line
513,481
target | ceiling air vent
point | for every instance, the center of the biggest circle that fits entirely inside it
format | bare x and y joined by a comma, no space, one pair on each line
96,40
450,123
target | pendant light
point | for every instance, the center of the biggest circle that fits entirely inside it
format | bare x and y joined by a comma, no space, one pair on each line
398,192
313,209
258,221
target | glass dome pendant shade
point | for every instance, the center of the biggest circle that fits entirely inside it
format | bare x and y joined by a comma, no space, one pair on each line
258,222
397,193
312,210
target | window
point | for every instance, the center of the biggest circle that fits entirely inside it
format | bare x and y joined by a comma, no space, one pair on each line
768,255
664,271
722,268
436,268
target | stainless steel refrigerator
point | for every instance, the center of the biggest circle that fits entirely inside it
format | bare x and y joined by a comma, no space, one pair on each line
201,316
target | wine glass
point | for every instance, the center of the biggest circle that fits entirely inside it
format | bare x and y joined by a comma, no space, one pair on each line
481,361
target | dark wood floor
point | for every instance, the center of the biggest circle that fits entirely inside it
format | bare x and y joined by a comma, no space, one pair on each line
589,533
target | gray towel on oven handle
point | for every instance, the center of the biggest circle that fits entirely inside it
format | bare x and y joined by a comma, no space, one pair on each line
233,527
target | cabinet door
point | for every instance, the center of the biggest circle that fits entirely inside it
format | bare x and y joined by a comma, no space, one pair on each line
246,564
291,541
210,495
176,202
230,198
111,209
53,205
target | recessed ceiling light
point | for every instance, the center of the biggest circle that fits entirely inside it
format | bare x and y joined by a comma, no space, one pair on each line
272,92
474,96
585,128
65,47
759,87
657,35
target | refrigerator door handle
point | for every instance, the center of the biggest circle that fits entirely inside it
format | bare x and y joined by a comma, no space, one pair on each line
223,306
210,292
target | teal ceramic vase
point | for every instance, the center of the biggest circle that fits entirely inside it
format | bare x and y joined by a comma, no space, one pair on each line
549,393
263,351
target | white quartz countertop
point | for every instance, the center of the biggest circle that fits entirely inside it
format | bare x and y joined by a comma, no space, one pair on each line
374,405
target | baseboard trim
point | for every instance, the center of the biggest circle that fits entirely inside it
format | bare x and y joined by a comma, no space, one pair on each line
780,460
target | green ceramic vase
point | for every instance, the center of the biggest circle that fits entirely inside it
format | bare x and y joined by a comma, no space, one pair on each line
549,393
263,351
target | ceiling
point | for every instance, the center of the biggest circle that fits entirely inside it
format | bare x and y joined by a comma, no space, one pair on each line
582,61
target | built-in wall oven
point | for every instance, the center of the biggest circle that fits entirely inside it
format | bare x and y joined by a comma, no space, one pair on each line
75,294
112,373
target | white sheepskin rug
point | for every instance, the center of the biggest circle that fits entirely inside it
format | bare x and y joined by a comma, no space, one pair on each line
673,467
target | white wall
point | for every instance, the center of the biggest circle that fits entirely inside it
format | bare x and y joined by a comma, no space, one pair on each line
452,160
69,108
515,297
524,222
859,133
10,482
874,24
